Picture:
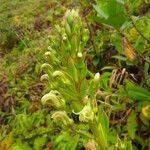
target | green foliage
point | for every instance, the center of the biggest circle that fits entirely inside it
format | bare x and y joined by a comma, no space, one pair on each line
96,75
111,13
65,141
132,125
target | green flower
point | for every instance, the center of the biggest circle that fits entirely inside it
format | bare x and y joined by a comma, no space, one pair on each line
46,65
53,98
61,116
44,77
60,75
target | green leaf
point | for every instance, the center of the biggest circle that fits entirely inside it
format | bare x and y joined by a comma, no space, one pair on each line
102,10
119,57
39,143
111,13
132,125
120,1
20,146
104,79
72,144
65,141
83,88
95,61
137,93
15,147
103,119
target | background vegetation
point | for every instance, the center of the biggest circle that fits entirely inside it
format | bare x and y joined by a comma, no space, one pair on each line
104,85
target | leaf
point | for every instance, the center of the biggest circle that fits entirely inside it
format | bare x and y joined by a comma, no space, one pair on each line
73,143
111,13
103,119
103,136
120,1
65,141
137,93
20,146
128,49
39,143
83,88
15,147
132,124
116,41
104,79
120,57
102,10
95,61
71,69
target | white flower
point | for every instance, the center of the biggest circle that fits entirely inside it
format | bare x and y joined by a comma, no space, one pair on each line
86,114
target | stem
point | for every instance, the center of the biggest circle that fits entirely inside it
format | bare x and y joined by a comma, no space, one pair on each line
106,104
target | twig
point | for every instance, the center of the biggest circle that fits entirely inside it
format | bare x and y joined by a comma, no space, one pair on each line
105,103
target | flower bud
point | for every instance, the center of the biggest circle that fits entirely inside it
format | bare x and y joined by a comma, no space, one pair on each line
79,54
64,38
58,28
45,65
61,116
72,17
68,29
85,35
47,54
96,77
58,74
68,17
54,99
44,77
49,48
61,76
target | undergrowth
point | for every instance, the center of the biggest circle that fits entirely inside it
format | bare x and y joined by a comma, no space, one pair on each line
74,75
